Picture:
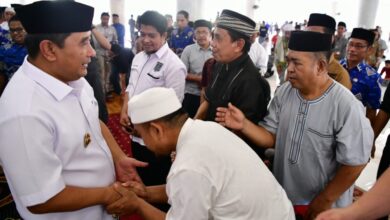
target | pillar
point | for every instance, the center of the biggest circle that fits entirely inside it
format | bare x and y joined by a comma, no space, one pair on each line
118,7
367,13
194,8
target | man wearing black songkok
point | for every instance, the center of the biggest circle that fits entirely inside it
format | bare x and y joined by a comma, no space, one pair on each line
59,159
234,78
323,23
321,136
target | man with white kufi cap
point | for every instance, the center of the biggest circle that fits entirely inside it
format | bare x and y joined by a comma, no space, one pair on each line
221,178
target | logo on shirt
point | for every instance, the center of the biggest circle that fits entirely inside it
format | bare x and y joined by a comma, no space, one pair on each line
158,66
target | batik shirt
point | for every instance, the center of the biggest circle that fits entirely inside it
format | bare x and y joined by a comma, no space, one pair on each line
179,40
365,83
12,56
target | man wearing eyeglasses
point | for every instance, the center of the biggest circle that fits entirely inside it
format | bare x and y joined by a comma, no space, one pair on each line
364,78
12,54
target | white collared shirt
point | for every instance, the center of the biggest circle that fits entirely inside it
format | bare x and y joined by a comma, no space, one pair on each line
161,69
43,127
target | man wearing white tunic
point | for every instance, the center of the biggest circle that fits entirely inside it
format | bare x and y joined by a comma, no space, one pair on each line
321,136
221,178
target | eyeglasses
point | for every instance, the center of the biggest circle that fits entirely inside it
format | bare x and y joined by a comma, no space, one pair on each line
356,45
16,30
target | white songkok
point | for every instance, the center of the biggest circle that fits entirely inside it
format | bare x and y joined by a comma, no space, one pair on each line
153,104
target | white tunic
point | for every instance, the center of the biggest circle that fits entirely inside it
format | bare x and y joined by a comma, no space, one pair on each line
221,178
43,123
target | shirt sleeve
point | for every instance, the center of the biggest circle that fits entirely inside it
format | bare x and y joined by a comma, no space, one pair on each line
185,57
176,78
355,136
374,94
31,165
190,196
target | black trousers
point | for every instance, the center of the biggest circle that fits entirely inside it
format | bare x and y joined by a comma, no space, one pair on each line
191,104
384,164
156,172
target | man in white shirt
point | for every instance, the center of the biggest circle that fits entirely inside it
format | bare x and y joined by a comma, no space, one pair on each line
59,159
258,54
221,178
156,66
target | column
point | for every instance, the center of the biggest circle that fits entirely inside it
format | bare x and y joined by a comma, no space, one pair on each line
118,7
195,8
367,13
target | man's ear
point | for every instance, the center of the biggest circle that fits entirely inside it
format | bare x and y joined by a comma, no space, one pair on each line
240,44
322,66
48,50
157,129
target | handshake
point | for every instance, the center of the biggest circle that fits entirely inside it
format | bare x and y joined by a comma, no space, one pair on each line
124,198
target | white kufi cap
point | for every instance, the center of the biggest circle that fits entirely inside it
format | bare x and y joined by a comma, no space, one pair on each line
153,104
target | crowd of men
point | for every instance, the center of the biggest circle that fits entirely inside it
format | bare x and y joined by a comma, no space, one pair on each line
199,113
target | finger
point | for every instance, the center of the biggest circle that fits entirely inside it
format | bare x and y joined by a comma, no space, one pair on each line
232,107
116,207
221,109
138,163
121,190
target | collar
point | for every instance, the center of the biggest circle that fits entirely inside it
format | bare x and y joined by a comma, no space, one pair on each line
361,66
237,62
54,86
160,52
200,48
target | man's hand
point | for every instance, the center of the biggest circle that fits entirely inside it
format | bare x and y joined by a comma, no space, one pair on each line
231,117
138,188
318,205
127,204
335,214
126,171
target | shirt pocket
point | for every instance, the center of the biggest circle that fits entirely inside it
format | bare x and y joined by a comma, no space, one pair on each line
321,142
155,78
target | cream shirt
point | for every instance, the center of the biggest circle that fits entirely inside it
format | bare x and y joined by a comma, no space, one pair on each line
43,124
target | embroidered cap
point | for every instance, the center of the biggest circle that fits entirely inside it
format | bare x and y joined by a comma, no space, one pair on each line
54,17
310,41
153,104
236,22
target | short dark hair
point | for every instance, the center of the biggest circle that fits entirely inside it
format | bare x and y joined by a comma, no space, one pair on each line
184,13
168,16
32,42
155,19
387,61
236,36
14,18
115,15
105,14
323,54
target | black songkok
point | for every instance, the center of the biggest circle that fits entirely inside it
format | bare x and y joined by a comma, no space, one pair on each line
309,41
236,22
363,34
15,6
54,17
343,24
322,20
202,23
